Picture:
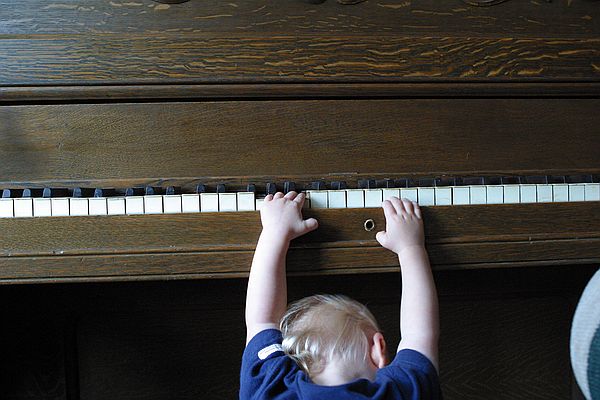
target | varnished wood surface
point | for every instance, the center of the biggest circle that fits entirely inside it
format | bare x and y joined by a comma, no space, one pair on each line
120,42
425,17
157,58
160,141
220,245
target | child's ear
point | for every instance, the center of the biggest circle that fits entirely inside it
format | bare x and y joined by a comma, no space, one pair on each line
379,350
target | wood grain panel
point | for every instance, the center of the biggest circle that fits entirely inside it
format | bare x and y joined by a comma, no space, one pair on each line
424,17
168,58
286,138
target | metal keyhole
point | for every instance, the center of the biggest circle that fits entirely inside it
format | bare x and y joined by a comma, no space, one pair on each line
369,225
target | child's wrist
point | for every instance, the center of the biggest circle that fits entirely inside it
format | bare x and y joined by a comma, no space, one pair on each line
406,251
275,236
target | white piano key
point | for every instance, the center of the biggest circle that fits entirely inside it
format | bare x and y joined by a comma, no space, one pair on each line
153,204
260,202
209,202
592,191
23,207
478,194
560,192
336,198
461,195
544,193
318,198
134,205
373,197
227,202
98,206
512,194
115,205
443,196
495,194
355,198
7,208
172,204
389,193
409,194
78,206
42,207
190,203
576,192
426,196
245,201
528,193
60,207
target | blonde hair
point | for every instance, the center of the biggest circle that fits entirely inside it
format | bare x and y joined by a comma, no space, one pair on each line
322,328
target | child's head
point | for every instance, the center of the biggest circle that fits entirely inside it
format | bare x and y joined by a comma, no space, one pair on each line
323,329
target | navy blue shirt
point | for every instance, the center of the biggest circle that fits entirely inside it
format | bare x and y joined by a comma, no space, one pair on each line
268,374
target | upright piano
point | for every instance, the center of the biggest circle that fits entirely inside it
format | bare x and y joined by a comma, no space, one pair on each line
137,139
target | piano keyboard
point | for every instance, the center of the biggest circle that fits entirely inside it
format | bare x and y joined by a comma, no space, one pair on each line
140,201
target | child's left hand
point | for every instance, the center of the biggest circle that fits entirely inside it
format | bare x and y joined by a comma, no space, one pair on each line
282,216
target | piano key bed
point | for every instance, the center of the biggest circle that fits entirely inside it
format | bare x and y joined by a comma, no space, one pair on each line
47,202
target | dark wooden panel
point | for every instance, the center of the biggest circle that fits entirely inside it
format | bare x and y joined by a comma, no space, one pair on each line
283,138
424,17
221,244
165,57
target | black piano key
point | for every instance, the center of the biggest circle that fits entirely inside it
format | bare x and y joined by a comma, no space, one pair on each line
556,179
535,179
492,180
511,180
289,186
134,191
318,185
251,187
384,183
578,179
411,183
47,193
221,188
426,182
150,191
401,183
471,181
103,192
339,185
35,192
367,184
172,190
445,181
82,192
200,188
271,188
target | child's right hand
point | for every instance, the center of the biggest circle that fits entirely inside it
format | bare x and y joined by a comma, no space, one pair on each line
282,216
404,226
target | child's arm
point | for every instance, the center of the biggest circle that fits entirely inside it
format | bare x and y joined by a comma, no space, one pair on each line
419,320
266,299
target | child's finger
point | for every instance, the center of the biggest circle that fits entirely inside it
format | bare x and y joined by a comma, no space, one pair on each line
310,224
408,206
278,195
397,203
417,209
269,197
380,236
388,209
290,195
300,198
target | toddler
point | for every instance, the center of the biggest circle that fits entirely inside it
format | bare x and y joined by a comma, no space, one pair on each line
329,346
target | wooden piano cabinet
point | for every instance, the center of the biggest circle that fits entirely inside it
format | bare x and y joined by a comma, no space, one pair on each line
504,334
